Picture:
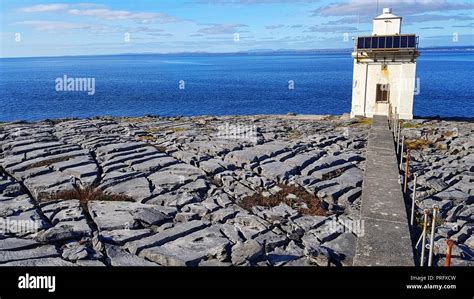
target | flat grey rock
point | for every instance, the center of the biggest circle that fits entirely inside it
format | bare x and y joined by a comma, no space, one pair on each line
74,251
40,262
344,245
122,236
64,231
190,250
137,188
120,258
17,244
33,253
178,231
250,226
248,251
285,255
310,222
112,215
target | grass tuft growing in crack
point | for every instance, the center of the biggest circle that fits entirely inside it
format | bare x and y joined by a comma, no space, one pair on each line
303,201
418,144
85,195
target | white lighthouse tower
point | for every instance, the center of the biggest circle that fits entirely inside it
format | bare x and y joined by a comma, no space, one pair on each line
384,69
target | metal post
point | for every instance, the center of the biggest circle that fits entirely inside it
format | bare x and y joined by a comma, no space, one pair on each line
433,224
407,171
398,137
393,125
401,153
395,128
389,117
419,240
450,244
412,218
423,240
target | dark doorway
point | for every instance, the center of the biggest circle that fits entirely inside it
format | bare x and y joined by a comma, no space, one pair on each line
383,93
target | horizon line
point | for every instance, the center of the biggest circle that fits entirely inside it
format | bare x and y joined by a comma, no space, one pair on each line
249,52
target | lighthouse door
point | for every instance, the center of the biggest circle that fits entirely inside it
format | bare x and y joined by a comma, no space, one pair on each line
382,97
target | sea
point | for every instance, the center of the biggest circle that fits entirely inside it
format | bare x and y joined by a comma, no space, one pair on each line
217,84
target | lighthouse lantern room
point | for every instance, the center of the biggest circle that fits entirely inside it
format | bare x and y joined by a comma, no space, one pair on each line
384,70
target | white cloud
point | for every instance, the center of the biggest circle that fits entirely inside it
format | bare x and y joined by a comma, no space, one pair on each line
271,27
110,14
44,8
400,7
100,12
53,26
331,29
252,2
221,28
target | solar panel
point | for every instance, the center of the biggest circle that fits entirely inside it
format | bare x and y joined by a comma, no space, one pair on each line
382,44
367,43
396,42
375,42
404,42
387,42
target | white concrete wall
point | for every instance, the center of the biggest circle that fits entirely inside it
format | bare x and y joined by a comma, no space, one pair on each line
386,26
406,86
400,76
358,89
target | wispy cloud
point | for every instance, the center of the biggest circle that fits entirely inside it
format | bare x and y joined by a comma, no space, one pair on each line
272,27
402,7
432,28
54,26
44,8
349,20
253,2
160,34
471,25
221,29
435,17
110,14
100,12
333,29
279,26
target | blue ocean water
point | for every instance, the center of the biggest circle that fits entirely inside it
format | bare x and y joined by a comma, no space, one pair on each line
135,85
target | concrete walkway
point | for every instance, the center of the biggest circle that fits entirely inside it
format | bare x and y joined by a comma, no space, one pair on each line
386,241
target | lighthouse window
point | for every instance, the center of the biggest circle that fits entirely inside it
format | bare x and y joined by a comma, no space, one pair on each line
360,43
389,43
383,93
411,41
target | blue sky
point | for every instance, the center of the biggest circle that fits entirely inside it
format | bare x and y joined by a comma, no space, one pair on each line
87,27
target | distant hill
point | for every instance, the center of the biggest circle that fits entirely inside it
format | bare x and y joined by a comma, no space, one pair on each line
267,52
461,48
